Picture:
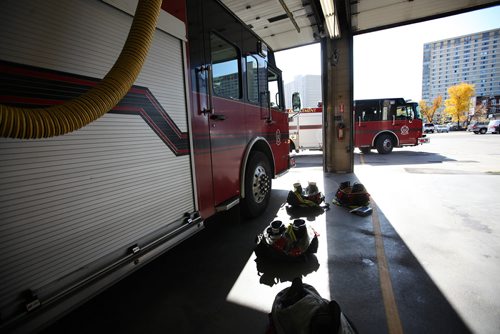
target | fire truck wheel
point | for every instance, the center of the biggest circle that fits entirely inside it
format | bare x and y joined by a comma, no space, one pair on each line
384,144
257,185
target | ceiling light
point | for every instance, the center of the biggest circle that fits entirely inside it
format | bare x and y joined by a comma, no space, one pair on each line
332,24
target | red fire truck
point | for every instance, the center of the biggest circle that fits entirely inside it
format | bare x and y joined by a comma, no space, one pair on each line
378,123
196,134
387,123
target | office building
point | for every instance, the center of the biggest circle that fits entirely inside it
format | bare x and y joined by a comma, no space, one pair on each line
309,87
470,58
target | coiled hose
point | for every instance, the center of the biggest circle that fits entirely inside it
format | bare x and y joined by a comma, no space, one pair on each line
25,123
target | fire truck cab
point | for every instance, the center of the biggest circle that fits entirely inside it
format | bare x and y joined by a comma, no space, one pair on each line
387,123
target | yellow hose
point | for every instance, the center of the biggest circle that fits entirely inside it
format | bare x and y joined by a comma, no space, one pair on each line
25,123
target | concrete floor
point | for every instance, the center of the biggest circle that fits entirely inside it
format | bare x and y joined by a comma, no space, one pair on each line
212,283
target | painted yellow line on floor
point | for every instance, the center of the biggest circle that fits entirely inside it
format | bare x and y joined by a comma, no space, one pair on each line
391,309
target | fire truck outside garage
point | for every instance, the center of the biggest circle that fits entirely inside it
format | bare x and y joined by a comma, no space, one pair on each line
387,123
380,124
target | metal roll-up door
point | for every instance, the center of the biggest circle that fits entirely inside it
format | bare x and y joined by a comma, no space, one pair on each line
71,204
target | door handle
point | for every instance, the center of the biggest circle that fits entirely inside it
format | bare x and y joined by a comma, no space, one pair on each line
217,117
210,85
206,72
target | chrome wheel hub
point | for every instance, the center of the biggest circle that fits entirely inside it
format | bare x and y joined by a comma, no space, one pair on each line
261,184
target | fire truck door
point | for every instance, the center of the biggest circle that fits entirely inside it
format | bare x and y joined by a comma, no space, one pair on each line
394,121
403,126
225,119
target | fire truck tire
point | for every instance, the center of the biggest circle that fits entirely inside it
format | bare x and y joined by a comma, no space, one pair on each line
365,150
257,185
384,144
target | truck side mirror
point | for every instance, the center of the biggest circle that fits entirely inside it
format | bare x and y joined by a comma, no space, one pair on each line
296,105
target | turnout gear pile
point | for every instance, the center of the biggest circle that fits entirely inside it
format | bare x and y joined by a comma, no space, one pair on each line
310,197
301,309
292,242
352,196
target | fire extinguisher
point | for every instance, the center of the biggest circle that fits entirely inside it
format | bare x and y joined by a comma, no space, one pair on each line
340,131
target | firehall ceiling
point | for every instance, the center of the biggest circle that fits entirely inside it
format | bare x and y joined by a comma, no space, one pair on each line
285,24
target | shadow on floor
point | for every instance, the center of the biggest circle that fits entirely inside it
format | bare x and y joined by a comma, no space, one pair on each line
186,289
405,157
355,280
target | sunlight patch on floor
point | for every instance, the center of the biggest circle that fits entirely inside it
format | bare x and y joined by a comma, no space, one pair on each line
256,287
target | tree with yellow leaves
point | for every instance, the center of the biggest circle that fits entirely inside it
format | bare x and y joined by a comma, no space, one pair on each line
457,106
429,112
480,112
424,109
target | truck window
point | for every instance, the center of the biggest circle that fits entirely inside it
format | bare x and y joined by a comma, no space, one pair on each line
388,110
367,111
368,114
252,79
416,111
273,81
225,68
402,112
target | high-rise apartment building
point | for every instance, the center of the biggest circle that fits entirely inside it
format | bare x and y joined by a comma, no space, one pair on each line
471,59
309,87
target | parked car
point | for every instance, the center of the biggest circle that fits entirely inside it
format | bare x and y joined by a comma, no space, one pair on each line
428,128
478,127
441,128
494,126
455,127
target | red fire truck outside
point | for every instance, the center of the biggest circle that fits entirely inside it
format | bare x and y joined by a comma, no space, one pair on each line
387,123
378,123
197,133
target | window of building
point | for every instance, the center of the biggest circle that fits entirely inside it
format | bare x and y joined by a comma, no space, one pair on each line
225,68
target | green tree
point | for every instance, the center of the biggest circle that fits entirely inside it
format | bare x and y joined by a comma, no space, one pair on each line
457,106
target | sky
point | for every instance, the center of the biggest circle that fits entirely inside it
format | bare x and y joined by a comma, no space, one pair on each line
382,72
